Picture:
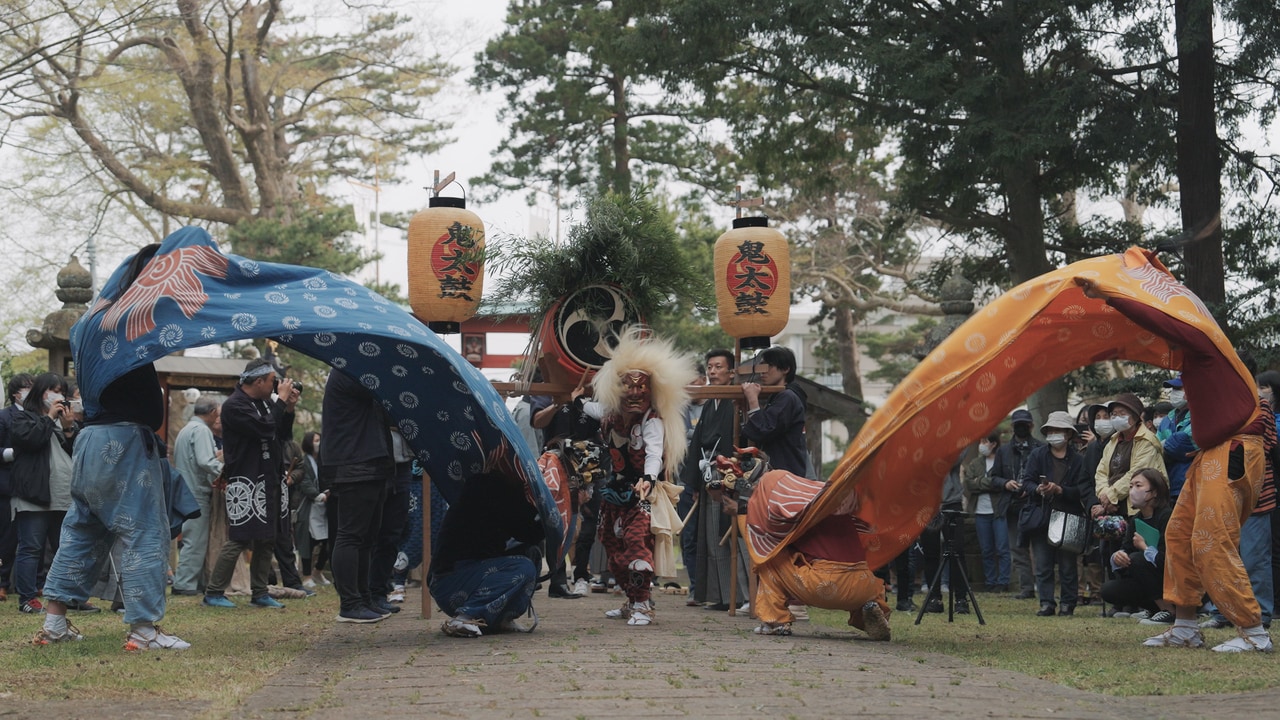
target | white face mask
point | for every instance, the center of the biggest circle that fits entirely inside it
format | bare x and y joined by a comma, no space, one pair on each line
1139,497
1103,427
1056,439
50,398
984,449
1120,423
1178,398
77,406
22,395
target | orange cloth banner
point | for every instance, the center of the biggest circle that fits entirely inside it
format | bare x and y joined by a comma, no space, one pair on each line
891,475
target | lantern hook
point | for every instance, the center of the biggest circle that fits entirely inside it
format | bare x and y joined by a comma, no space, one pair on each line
740,202
448,180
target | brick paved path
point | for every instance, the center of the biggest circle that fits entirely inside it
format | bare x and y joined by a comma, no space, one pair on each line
692,663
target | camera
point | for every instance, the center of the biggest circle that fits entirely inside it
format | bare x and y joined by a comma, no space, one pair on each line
297,386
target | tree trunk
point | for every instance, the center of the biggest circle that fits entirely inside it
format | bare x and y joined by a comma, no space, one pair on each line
621,150
850,375
1199,163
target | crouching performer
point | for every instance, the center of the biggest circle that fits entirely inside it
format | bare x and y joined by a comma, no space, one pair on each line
486,561
826,567
640,400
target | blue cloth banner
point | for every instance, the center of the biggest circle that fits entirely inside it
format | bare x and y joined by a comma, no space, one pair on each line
191,294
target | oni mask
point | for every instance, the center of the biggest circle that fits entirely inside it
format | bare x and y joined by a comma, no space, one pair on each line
636,392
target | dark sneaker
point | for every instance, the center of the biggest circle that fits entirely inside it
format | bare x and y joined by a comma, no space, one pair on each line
266,601
32,606
1161,618
383,607
361,615
218,601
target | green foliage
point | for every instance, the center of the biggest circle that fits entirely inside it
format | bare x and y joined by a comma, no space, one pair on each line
626,240
315,238
581,102
895,351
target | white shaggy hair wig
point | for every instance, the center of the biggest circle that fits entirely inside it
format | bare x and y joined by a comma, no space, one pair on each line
669,372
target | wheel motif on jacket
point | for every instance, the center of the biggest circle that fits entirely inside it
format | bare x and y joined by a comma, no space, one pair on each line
240,500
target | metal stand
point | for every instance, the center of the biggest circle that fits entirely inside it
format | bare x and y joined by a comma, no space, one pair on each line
949,554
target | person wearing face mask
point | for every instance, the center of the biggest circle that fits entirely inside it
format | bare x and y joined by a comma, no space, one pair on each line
1132,446
17,389
1054,475
988,501
1010,459
42,437
1094,426
1174,434
1139,567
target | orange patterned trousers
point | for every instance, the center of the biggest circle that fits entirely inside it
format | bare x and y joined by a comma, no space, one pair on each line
1202,540
791,577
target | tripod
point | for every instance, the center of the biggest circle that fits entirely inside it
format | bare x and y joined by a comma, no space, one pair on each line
950,558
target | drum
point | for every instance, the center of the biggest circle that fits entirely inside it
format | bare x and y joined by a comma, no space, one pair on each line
580,329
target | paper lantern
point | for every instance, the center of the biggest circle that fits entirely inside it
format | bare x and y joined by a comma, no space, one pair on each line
446,266
753,282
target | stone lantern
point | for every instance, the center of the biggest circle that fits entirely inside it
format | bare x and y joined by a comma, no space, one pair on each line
957,305
75,290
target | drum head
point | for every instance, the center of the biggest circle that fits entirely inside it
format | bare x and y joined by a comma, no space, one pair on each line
588,322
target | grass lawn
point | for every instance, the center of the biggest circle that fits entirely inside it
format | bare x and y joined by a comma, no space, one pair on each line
233,652
1088,652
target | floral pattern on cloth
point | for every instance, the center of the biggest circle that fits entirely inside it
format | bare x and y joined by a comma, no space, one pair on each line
892,473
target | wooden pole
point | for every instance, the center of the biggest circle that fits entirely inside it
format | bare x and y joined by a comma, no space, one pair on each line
733,519
426,544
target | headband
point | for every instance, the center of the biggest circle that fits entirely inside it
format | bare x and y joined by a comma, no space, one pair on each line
255,373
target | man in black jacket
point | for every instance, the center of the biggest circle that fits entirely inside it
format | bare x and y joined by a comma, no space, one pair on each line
17,392
777,428
1008,468
254,430
356,452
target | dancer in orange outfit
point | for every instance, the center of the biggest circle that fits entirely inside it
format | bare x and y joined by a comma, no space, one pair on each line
826,567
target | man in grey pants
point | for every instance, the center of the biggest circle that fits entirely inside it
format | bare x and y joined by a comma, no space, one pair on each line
197,458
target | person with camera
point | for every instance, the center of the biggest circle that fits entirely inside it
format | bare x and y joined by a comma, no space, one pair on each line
1054,479
255,428
1006,471
42,437
947,527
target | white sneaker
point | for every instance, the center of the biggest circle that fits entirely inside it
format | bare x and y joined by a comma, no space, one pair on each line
1140,615
1246,643
620,613
309,584
582,587
396,595
156,639
746,608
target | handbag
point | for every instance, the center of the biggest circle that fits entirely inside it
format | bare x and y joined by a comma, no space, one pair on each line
1067,531
1032,517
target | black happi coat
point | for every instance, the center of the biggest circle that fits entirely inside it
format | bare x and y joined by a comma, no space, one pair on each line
253,436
